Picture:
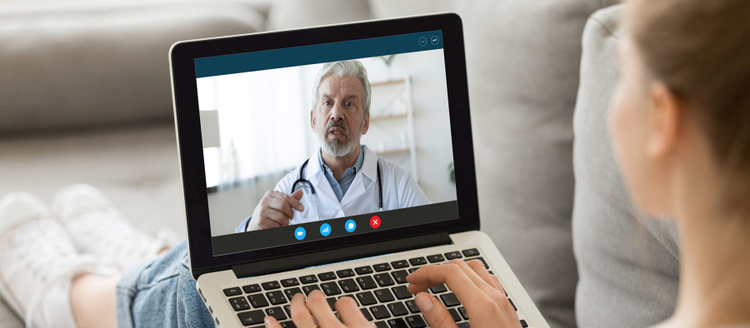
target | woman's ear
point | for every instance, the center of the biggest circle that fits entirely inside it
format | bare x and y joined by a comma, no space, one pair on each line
665,119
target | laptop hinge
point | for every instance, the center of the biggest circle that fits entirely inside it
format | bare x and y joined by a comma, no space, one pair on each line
299,261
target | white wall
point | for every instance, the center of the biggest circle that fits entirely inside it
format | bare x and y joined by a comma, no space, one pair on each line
431,120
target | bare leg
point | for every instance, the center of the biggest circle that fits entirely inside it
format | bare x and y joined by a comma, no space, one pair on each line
92,299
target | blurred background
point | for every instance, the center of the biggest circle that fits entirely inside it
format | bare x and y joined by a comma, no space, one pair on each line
256,129
85,98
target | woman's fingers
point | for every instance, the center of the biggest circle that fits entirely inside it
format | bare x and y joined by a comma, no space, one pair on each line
481,295
474,270
321,311
271,322
471,272
452,275
446,273
300,314
497,282
420,280
434,312
478,267
350,313
483,279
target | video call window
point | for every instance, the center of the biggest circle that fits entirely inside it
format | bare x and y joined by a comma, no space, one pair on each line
260,127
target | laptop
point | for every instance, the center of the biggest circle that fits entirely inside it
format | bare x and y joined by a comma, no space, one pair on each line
371,122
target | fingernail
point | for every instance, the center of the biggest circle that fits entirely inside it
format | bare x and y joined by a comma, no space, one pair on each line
268,321
423,302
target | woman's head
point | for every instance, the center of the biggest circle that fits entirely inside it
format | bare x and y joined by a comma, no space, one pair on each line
684,83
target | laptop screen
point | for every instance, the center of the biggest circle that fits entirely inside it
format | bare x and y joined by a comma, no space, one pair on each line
316,142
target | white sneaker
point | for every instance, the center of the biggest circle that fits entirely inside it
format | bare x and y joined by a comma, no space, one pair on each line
37,262
98,228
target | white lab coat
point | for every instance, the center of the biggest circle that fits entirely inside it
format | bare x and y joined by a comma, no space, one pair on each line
399,190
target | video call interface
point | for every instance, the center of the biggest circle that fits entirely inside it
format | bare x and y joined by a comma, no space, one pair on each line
315,142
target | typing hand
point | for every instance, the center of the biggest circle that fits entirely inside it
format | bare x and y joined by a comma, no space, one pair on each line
305,315
478,290
275,210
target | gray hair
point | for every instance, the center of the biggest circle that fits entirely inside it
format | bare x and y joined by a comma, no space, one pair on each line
346,67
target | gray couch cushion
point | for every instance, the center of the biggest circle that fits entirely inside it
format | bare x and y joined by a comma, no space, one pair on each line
93,63
137,167
628,264
289,14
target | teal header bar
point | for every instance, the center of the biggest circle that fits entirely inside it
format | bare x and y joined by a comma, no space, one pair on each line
318,53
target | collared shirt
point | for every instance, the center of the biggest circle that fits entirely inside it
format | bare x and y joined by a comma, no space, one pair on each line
340,187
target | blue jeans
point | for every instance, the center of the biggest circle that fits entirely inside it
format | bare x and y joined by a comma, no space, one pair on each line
161,293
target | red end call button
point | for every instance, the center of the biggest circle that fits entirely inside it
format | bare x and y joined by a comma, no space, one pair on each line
375,222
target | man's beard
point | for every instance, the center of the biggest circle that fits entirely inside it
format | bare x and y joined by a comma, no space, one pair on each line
336,147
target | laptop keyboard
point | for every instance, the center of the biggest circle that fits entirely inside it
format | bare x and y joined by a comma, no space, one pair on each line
380,290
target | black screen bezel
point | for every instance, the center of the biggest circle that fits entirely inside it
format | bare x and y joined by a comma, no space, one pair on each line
190,144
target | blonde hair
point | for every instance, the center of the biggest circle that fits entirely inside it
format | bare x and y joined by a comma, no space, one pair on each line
700,49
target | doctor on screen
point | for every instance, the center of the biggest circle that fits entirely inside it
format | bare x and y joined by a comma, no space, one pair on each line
342,178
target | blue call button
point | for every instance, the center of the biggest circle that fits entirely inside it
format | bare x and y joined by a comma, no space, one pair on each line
300,233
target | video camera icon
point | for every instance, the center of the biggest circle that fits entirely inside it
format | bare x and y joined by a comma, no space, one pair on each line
300,233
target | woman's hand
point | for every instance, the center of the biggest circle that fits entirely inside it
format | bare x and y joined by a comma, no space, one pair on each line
478,290
305,315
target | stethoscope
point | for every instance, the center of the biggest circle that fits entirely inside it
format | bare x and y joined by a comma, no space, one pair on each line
312,189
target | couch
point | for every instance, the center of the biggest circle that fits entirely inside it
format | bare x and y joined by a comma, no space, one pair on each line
85,97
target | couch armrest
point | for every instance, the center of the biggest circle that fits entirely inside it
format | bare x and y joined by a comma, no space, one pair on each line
89,64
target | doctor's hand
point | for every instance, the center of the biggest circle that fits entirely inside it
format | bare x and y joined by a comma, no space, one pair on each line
480,293
275,210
